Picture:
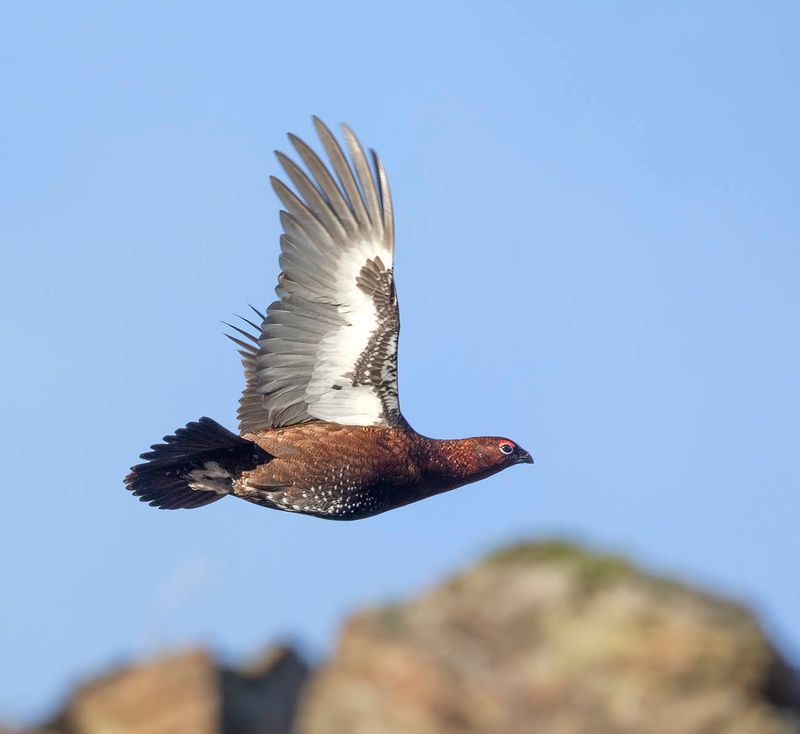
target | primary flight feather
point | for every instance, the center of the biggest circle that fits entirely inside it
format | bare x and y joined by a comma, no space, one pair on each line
320,427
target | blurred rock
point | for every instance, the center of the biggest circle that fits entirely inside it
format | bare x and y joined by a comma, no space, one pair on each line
544,638
190,693
263,697
549,638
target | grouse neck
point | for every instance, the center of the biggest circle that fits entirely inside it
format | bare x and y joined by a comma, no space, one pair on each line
453,462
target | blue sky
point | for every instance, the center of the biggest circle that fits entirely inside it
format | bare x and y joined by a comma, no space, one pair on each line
598,256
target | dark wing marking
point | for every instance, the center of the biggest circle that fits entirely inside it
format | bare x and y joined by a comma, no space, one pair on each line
377,364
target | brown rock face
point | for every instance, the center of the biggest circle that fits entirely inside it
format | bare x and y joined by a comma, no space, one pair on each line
548,638
157,698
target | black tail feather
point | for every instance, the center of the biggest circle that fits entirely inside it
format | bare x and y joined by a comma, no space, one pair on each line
164,479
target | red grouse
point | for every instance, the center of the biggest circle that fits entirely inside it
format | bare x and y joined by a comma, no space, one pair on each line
320,427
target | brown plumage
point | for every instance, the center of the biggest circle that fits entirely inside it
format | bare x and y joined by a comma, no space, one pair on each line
321,432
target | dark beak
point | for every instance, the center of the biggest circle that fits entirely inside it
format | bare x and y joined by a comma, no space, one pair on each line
523,457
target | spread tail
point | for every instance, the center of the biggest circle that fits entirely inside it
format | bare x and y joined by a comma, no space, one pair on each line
195,466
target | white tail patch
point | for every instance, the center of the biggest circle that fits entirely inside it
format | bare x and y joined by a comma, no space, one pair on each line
210,477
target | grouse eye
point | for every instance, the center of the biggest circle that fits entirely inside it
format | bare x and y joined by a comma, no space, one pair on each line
506,448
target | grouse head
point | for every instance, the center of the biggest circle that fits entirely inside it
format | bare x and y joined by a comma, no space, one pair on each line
471,459
499,453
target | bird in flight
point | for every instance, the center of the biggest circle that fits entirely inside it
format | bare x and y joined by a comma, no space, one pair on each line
320,427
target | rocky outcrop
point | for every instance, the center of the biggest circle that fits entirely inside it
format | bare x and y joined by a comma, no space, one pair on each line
549,638
538,638
189,692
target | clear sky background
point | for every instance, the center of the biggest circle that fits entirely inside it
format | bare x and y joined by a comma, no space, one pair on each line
598,255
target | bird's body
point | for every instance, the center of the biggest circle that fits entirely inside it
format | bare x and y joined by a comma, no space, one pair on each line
321,431
350,472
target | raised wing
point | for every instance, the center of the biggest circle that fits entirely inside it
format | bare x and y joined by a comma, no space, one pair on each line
327,349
